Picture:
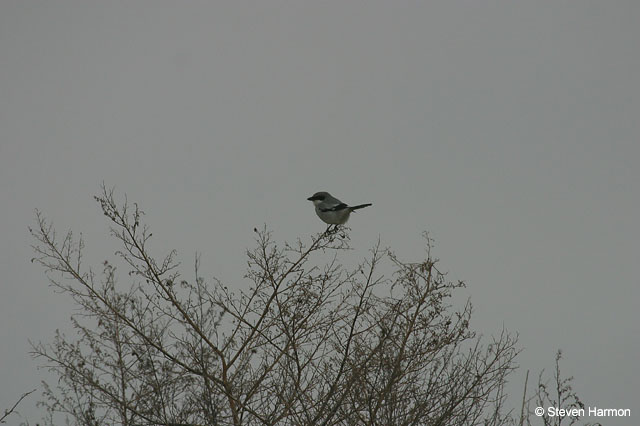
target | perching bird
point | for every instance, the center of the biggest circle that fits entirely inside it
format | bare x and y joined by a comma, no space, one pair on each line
331,210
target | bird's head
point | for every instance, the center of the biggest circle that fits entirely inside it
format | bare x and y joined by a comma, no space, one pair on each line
318,197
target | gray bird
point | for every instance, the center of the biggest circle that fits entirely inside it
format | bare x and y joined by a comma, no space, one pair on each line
331,210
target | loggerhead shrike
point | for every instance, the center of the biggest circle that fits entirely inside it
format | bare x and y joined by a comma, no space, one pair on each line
331,210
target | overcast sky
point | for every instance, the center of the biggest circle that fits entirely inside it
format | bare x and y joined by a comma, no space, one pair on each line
508,130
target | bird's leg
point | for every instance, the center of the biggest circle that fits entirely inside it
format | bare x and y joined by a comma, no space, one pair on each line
331,229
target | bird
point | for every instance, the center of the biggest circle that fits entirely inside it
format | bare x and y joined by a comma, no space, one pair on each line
331,210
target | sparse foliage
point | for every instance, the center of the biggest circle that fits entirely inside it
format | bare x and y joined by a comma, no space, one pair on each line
307,342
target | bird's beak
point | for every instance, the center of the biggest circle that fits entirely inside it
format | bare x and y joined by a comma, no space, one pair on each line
311,198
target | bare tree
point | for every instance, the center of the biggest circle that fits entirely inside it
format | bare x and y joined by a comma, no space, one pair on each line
558,393
308,342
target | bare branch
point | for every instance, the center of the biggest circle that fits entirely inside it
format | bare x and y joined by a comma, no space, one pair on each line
11,410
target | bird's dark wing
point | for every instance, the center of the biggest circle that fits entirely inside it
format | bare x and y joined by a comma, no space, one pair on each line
337,208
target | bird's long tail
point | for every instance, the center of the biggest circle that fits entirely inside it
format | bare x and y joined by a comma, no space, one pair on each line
360,206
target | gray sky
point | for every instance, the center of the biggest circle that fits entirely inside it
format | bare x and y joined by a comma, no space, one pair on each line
508,130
